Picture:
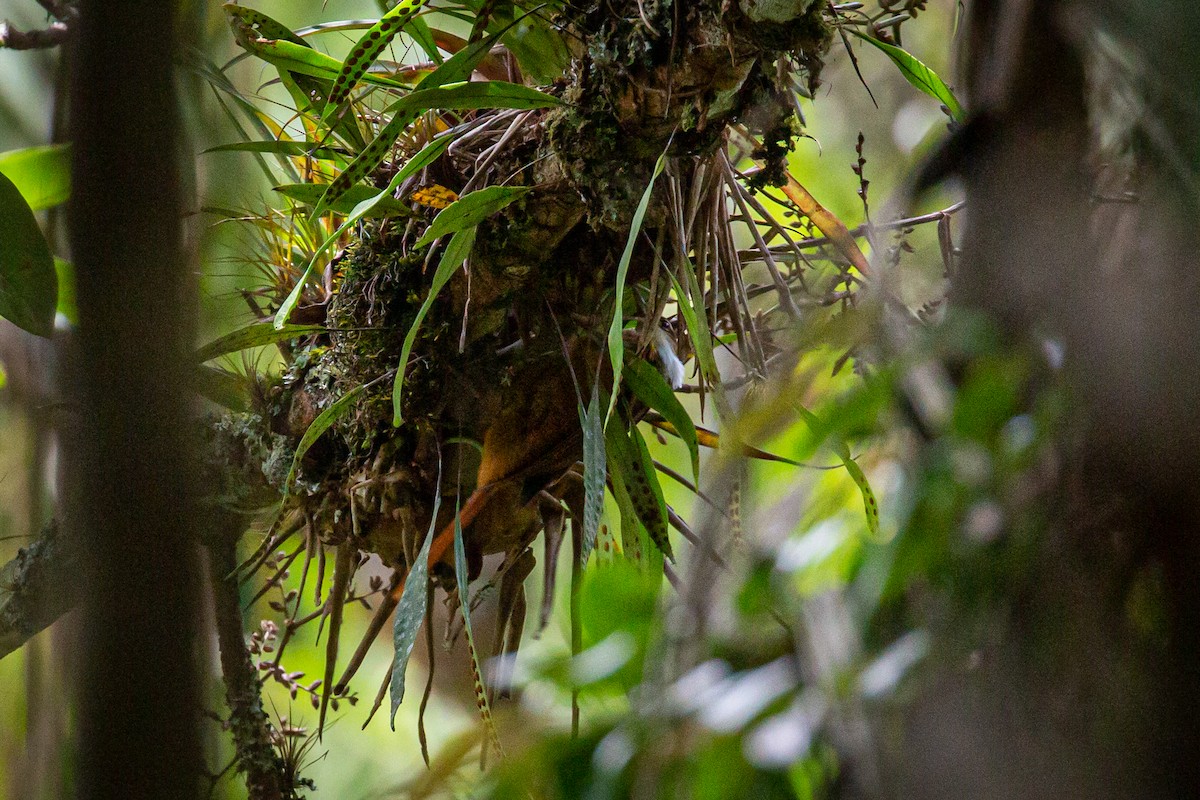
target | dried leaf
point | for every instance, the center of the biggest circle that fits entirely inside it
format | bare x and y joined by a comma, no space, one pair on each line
827,223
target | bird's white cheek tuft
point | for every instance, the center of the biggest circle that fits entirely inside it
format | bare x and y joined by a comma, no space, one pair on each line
672,367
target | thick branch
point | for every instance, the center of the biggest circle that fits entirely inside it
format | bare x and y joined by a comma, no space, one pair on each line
16,39
36,588
256,756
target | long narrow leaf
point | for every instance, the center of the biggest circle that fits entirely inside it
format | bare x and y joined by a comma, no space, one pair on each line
648,476
616,342
460,96
255,335
311,194
456,253
460,576
304,60
282,148
870,504
626,464
411,611
595,466
322,423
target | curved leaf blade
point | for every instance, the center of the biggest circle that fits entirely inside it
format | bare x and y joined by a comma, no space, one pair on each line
460,96
366,50
616,342
629,461
28,280
456,253
870,504
424,157
651,388
411,613
255,335
595,467
322,423
919,75
42,174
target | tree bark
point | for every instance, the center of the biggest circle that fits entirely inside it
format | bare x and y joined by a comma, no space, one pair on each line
129,498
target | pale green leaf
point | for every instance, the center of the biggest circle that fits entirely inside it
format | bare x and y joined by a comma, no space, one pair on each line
42,174
918,75
821,431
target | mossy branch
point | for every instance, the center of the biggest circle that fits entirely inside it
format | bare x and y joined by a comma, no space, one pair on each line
36,588
256,755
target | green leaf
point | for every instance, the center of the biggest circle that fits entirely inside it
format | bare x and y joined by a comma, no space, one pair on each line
634,541
28,282
699,333
282,148
366,50
651,388
918,75
255,335
411,612
249,24
461,96
595,466
421,33
656,526
821,432
304,60
629,461
311,194
65,272
539,49
462,64
616,342
455,254
42,174
470,210
322,423
424,157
